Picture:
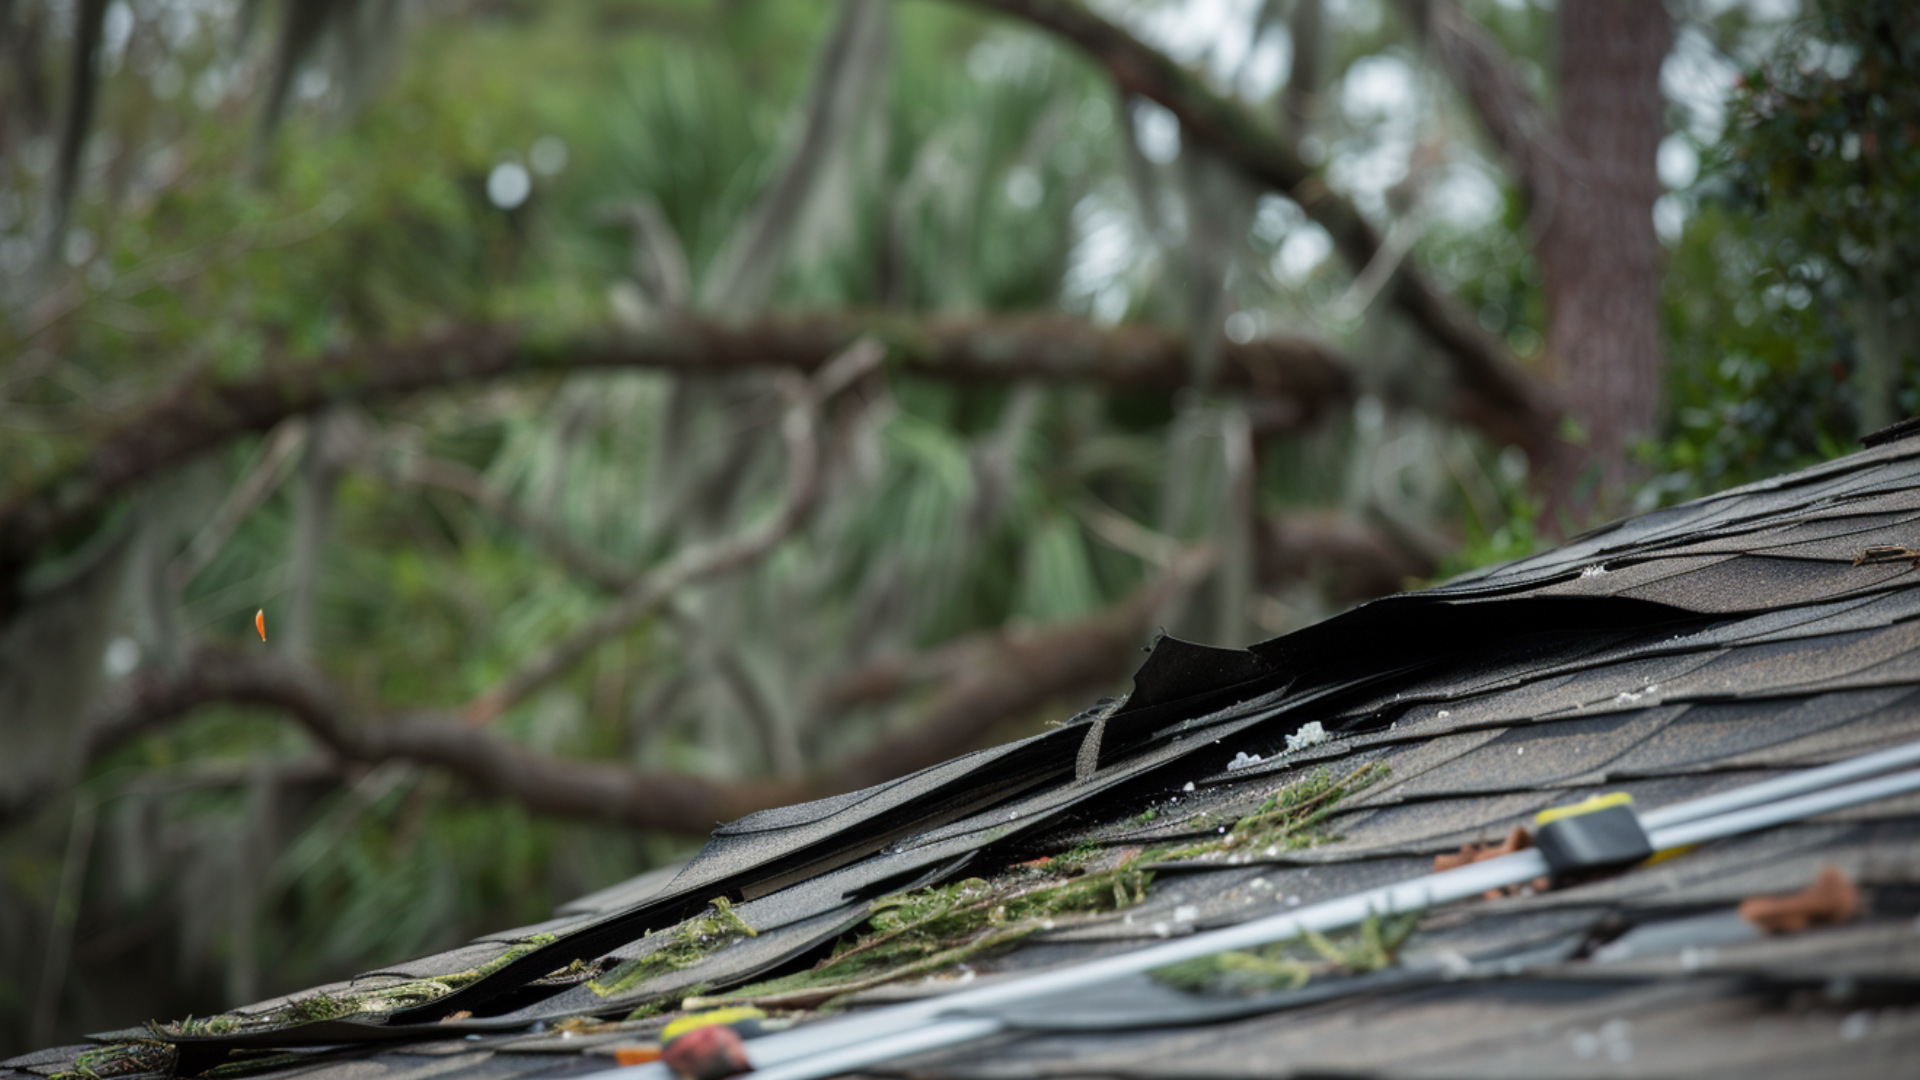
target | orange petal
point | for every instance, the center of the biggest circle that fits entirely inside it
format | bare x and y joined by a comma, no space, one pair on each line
260,623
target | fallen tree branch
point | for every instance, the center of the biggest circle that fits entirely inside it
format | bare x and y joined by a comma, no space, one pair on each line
1010,675
207,410
1485,367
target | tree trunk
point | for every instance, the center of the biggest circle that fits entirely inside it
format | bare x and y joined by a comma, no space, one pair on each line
1599,257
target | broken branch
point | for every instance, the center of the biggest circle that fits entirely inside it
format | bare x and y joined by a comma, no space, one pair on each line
1018,672
207,410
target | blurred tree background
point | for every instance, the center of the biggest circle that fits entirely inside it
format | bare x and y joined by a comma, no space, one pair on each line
633,413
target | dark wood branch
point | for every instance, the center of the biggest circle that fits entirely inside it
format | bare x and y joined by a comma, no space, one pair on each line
206,410
578,788
1485,74
1484,366
1014,674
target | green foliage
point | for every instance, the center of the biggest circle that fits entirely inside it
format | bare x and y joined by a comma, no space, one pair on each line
1288,965
1791,330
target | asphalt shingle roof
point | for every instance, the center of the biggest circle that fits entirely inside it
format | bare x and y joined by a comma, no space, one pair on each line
1672,655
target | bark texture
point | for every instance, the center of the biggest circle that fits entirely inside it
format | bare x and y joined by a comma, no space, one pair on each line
1599,257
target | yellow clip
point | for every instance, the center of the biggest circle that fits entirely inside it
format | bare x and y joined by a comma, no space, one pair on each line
1587,806
710,1018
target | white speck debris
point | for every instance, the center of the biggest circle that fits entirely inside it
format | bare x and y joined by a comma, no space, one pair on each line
1161,929
1519,751
1185,913
1310,734
1632,697
1596,570
1613,1039
1189,786
1856,1025
1241,760
1444,713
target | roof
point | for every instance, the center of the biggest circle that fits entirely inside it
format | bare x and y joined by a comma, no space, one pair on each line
1672,655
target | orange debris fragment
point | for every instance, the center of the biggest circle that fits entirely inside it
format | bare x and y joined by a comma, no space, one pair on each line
1832,898
1517,840
260,623
637,1054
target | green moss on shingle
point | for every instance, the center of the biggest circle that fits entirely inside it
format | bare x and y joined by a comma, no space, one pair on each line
692,941
1287,965
936,928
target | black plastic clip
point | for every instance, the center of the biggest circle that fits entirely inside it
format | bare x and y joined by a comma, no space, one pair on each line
1602,833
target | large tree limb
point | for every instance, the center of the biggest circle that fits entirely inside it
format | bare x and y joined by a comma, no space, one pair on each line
206,410
1504,397
1011,675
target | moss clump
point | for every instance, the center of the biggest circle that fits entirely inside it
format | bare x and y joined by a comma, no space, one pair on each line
925,930
1287,820
1287,965
140,1058
930,929
693,940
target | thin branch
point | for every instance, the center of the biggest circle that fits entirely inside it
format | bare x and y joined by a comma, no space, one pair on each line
266,475
850,66
470,485
703,561
1484,72
206,410
1485,367
1401,237
659,259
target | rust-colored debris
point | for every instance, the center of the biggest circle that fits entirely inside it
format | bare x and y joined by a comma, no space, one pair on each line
260,623
1517,840
635,1054
707,1053
452,1017
1832,898
1888,553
